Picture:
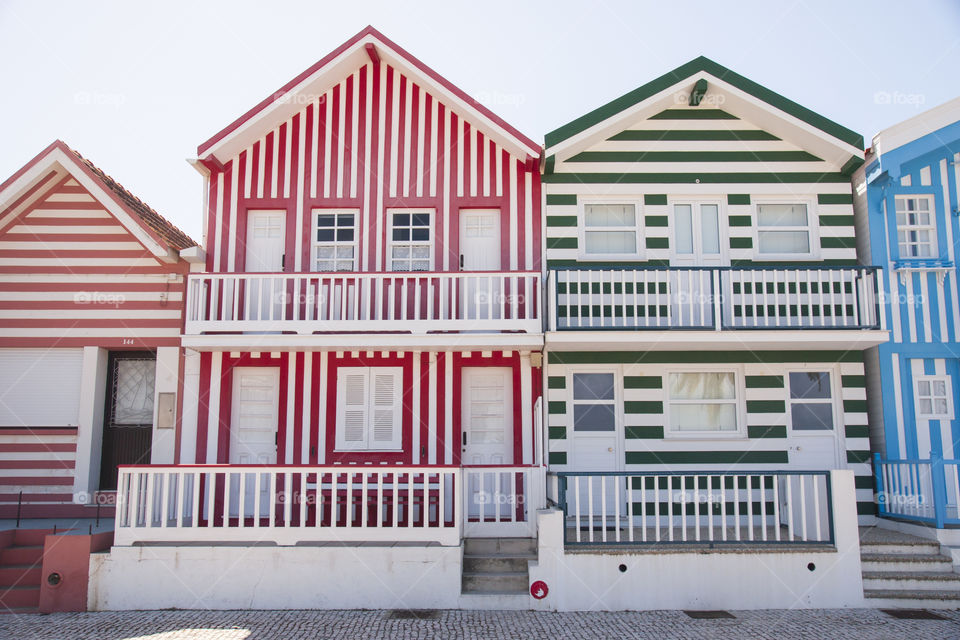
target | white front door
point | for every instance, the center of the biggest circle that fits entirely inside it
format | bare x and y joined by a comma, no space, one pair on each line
480,251
253,432
487,423
264,254
596,444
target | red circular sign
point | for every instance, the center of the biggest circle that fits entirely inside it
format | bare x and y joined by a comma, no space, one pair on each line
539,590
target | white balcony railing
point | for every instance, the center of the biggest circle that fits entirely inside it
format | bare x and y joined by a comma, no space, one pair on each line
287,505
502,501
414,302
714,298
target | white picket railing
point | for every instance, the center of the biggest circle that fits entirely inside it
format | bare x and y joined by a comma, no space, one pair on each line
696,297
287,504
415,302
922,490
762,507
502,501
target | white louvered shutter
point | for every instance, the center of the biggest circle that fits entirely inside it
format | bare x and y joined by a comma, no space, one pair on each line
352,385
385,407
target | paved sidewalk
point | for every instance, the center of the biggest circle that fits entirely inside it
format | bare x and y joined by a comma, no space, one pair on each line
522,625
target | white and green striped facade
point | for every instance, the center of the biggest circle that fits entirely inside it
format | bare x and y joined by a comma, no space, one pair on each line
743,274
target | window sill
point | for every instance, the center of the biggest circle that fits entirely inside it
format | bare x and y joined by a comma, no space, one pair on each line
704,435
368,450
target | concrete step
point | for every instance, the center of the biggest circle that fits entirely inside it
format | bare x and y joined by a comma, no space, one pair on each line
918,548
912,599
18,610
901,562
500,582
20,575
911,581
14,597
474,546
492,562
21,555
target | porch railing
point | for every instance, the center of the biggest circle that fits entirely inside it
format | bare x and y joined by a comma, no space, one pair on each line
416,302
714,298
502,501
287,505
922,490
696,507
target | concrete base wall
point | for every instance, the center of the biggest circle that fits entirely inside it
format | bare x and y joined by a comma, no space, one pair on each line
704,579
224,577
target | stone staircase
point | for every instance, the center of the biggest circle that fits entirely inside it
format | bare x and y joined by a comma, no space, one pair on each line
21,563
904,571
497,566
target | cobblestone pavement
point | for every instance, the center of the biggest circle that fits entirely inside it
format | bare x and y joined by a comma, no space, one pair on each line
525,625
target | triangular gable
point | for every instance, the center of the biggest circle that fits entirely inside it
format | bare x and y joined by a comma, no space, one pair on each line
710,85
52,165
367,45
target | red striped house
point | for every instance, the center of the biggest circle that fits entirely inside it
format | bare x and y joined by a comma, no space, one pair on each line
91,304
371,299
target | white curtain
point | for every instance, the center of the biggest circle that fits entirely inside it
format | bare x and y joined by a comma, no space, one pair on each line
717,412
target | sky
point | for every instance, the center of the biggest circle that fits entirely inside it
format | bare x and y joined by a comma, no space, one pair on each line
135,87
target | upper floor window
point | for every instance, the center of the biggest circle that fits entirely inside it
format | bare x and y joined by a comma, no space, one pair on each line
610,229
916,229
411,241
784,229
334,241
934,397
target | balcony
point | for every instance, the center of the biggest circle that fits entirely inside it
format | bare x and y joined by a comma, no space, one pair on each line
717,306
378,306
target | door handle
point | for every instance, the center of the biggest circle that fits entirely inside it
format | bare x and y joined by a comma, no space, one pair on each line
461,262
464,438
283,262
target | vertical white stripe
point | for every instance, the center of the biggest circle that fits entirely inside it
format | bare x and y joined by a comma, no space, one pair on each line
217,233
925,306
895,305
213,406
432,410
191,406
248,172
513,213
459,144
421,136
486,164
364,238
434,129
322,405
416,390
275,166
946,428
448,443
922,426
942,309
327,141
355,135
407,143
233,240
898,403
261,165
948,229
301,168
341,141
526,408
287,155
446,190
394,132
528,220
291,391
498,161
307,399
315,141
474,143
911,309
925,176
381,145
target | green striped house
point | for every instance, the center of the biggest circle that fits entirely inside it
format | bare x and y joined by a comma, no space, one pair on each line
707,311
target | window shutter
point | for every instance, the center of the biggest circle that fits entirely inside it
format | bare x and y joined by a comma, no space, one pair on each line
352,386
386,406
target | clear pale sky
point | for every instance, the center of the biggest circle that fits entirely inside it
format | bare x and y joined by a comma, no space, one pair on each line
136,87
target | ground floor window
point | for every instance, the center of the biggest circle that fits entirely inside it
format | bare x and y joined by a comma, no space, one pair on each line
369,405
702,402
934,397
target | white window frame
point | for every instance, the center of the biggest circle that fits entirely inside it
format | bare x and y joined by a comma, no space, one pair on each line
615,401
696,259
812,228
739,402
316,244
932,227
341,444
431,242
836,400
944,377
639,229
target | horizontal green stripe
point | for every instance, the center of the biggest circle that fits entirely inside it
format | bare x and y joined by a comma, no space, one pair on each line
694,156
766,406
620,264
706,457
694,114
564,199
654,199
740,221
556,382
738,198
642,382
764,382
832,262
773,431
855,406
556,406
656,221
643,433
853,381
800,177
688,357
658,243
834,198
561,243
561,221
693,136
836,221
643,406
858,456
557,433
863,482
857,431
866,509
741,243
557,457
838,243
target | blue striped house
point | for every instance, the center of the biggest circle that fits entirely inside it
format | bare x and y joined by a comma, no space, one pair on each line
906,210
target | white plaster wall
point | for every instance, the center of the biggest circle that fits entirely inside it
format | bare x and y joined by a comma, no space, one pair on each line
228,577
90,423
168,370
705,580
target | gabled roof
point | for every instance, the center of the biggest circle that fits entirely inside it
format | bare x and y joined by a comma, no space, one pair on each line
157,233
750,95
365,46
918,126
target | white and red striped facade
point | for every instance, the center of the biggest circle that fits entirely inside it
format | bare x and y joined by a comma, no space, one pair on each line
86,270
